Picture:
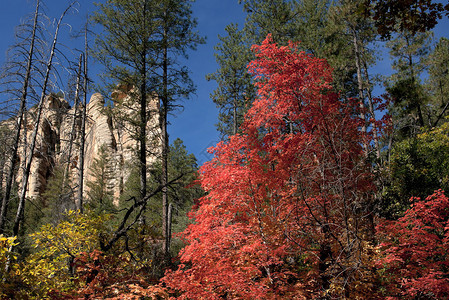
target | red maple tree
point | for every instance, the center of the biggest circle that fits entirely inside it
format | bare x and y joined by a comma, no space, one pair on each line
415,250
287,210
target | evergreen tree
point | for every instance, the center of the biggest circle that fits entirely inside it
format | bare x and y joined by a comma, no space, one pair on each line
235,88
275,17
172,80
140,48
100,196
438,82
125,49
409,52
419,166
235,91
57,198
185,192
358,32
312,27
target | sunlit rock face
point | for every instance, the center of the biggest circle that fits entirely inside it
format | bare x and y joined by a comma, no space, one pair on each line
113,129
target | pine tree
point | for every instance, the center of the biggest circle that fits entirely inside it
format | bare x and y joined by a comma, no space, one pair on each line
409,52
438,82
57,198
176,36
273,17
185,192
100,196
235,89
125,50
360,32
140,49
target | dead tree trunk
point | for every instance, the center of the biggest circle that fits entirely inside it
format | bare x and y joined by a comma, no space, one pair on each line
372,113
21,207
79,199
360,87
72,131
20,116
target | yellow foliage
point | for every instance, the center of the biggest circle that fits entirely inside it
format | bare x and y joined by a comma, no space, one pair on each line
49,267
6,244
6,257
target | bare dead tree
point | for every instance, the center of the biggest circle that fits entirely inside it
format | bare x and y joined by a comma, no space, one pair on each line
79,198
5,199
49,65
75,113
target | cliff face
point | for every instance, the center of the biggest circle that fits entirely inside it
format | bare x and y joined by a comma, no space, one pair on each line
56,140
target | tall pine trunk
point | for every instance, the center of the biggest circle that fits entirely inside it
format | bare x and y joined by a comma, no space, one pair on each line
164,177
143,115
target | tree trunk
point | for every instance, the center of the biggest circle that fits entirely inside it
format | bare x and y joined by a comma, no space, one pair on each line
72,131
14,155
21,207
164,176
372,113
79,198
360,87
234,125
169,220
143,117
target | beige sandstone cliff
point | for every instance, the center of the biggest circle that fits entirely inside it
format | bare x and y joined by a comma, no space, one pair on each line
102,129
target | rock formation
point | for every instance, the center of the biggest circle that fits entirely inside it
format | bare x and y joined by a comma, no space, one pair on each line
102,130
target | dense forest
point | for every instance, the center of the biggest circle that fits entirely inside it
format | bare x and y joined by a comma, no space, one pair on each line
329,181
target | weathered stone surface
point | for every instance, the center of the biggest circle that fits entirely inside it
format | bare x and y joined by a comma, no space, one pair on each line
102,130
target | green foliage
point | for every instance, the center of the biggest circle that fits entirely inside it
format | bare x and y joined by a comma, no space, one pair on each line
235,89
409,53
182,192
133,40
344,29
409,98
142,241
186,191
57,198
438,81
270,17
100,195
418,167
117,47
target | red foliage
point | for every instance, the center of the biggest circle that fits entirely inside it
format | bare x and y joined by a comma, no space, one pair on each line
415,250
283,217
101,276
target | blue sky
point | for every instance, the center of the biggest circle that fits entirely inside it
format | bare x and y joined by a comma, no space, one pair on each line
195,124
